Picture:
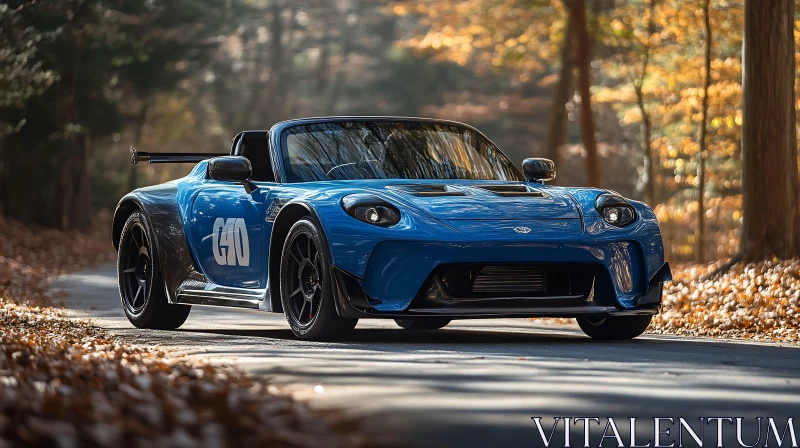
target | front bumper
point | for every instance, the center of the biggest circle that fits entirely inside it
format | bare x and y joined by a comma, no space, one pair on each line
389,267
353,302
398,269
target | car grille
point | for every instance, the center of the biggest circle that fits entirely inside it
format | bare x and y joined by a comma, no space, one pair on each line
508,280
513,284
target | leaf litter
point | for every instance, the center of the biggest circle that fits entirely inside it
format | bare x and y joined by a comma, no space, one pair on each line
66,383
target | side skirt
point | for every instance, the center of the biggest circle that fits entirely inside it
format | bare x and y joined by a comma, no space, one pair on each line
215,295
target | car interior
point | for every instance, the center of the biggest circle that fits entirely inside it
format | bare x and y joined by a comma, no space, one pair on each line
254,147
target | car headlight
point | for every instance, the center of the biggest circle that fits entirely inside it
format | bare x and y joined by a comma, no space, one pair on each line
615,210
371,209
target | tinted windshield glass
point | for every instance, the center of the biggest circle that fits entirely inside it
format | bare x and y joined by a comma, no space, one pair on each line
391,150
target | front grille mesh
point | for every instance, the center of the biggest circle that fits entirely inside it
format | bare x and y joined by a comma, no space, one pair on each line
509,279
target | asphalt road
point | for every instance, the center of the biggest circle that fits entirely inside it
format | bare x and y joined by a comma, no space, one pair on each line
478,383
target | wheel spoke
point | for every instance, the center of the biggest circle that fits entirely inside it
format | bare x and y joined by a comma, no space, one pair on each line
302,308
310,301
302,283
136,296
129,270
296,247
291,252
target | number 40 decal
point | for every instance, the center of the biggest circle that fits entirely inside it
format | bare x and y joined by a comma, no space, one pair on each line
230,243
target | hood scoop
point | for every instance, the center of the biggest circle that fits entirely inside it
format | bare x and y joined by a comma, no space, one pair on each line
511,190
422,190
486,200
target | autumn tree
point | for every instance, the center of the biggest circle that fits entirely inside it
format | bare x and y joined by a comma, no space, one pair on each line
771,210
562,92
80,55
172,44
47,149
583,63
701,157
635,42
521,38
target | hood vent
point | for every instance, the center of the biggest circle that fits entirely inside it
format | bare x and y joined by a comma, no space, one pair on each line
511,190
427,190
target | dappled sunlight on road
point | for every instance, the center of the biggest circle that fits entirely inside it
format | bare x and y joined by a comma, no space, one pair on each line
480,381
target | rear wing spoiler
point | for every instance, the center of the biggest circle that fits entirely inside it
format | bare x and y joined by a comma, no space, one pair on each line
172,157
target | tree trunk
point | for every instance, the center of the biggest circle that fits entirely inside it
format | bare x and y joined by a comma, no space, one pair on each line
287,69
771,210
141,120
701,153
323,67
276,112
584,84
74,190
257,91
557,127
650,161
48,182
647,148
347,41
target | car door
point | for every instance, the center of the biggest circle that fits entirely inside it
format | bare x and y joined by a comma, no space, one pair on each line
227,222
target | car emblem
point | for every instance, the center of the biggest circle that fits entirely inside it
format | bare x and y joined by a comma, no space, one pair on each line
522,229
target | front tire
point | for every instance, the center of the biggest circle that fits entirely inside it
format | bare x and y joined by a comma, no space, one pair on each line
423,323
614,328
306,285
141,287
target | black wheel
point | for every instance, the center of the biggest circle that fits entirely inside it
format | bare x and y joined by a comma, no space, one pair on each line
423,323
612,328
141,286
306,287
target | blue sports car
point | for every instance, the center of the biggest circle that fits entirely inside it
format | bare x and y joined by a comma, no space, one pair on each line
331,220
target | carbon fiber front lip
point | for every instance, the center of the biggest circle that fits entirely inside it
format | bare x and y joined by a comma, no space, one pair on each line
359,306
519,312
524,311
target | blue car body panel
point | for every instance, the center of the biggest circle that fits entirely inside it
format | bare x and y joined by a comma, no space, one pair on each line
220,222
216,200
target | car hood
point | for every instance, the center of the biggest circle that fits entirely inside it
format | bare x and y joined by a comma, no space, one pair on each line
486,200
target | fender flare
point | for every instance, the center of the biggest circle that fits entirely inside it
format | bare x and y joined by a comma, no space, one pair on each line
289,214
160,205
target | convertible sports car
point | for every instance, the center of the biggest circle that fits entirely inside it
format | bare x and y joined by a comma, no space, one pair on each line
330,220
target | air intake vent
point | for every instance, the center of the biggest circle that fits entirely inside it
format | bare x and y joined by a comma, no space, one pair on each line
508,279
428,190
511,190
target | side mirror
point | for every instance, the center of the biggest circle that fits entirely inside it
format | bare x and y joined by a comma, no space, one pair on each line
538,170
232,169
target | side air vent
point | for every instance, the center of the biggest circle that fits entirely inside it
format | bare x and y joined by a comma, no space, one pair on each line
508,279
511,190
428,190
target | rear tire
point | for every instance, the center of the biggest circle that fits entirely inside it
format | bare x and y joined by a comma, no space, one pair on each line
614,328
306,287
423,323
141,287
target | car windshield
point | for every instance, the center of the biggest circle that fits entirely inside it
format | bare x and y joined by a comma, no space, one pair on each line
391,150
